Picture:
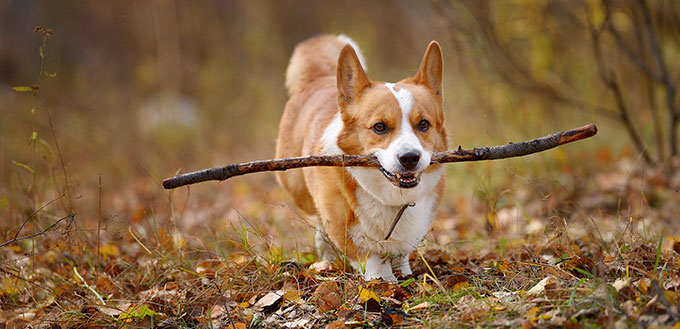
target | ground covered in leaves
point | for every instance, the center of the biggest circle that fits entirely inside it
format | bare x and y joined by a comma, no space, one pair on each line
588,254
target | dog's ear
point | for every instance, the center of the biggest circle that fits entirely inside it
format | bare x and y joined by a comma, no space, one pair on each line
430,71
352,79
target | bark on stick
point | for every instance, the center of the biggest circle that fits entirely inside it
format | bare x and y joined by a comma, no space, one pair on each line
482,153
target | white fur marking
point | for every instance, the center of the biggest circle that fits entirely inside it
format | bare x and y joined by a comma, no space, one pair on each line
406,139
354,45
329,139
404,98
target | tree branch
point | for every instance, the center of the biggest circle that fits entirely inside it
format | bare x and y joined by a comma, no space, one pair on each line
30,236
485,153
609,79
666,77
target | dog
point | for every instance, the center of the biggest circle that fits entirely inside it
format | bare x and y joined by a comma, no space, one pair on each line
334,108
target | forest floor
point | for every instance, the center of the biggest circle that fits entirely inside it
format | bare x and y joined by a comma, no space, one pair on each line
601,250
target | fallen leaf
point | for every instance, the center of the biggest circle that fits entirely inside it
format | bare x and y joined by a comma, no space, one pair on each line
392,316
109,310
110,250
643,285
293,296
420,306
461,285
504,266
539,288
26,316
137,312
339,324
532,314
365,295
270,301
322,266
327,297
296,323
620,283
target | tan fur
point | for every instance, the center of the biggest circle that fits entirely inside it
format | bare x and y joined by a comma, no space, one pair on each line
313,59
320,89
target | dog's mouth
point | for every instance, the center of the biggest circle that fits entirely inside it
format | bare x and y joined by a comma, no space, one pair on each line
402,180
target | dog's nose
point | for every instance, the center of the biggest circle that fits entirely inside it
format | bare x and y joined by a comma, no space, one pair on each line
409,160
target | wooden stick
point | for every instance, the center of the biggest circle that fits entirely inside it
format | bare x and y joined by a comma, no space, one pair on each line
484,153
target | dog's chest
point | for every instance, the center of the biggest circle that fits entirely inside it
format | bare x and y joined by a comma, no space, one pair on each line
375,219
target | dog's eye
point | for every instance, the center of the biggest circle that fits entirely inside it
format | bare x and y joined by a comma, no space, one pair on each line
380,128
423,125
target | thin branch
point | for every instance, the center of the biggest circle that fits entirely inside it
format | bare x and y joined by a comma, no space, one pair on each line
609,80
476,154
30,236
517,74
650,85
634,58
662,298
666,77
35,213
631,55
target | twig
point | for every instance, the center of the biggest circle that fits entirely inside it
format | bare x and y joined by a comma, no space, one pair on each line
99,221
485,153
662,298
396,219
611,83
35,213
666,77
15,239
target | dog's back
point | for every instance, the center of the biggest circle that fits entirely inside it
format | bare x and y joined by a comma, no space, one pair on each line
314,59
311,83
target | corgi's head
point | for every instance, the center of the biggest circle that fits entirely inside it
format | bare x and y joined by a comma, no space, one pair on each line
401,123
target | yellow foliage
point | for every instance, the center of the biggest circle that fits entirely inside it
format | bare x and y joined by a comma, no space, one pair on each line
532,314
110,250
365,295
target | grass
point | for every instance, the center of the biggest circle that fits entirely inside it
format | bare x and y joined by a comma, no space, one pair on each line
155,274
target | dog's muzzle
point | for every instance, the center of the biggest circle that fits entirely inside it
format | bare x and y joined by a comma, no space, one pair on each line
409,179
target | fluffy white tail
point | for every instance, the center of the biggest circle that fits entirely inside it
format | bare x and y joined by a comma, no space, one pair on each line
316,58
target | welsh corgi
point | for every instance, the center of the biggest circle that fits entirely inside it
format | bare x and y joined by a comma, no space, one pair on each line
334,108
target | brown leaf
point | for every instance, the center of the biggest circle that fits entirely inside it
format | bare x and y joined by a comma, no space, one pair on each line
372,305
327,297
339,324
676,245
293,296
436,257
345,314
453,280
238,325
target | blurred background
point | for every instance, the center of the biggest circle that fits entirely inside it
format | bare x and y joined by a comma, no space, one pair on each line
133,92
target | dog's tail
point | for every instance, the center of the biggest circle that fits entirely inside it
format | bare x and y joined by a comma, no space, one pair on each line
316,58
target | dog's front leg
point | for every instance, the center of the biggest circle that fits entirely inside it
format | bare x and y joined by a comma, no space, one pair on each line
377,267
401,264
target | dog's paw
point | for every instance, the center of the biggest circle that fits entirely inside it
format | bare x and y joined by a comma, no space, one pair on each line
377,268
401,264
